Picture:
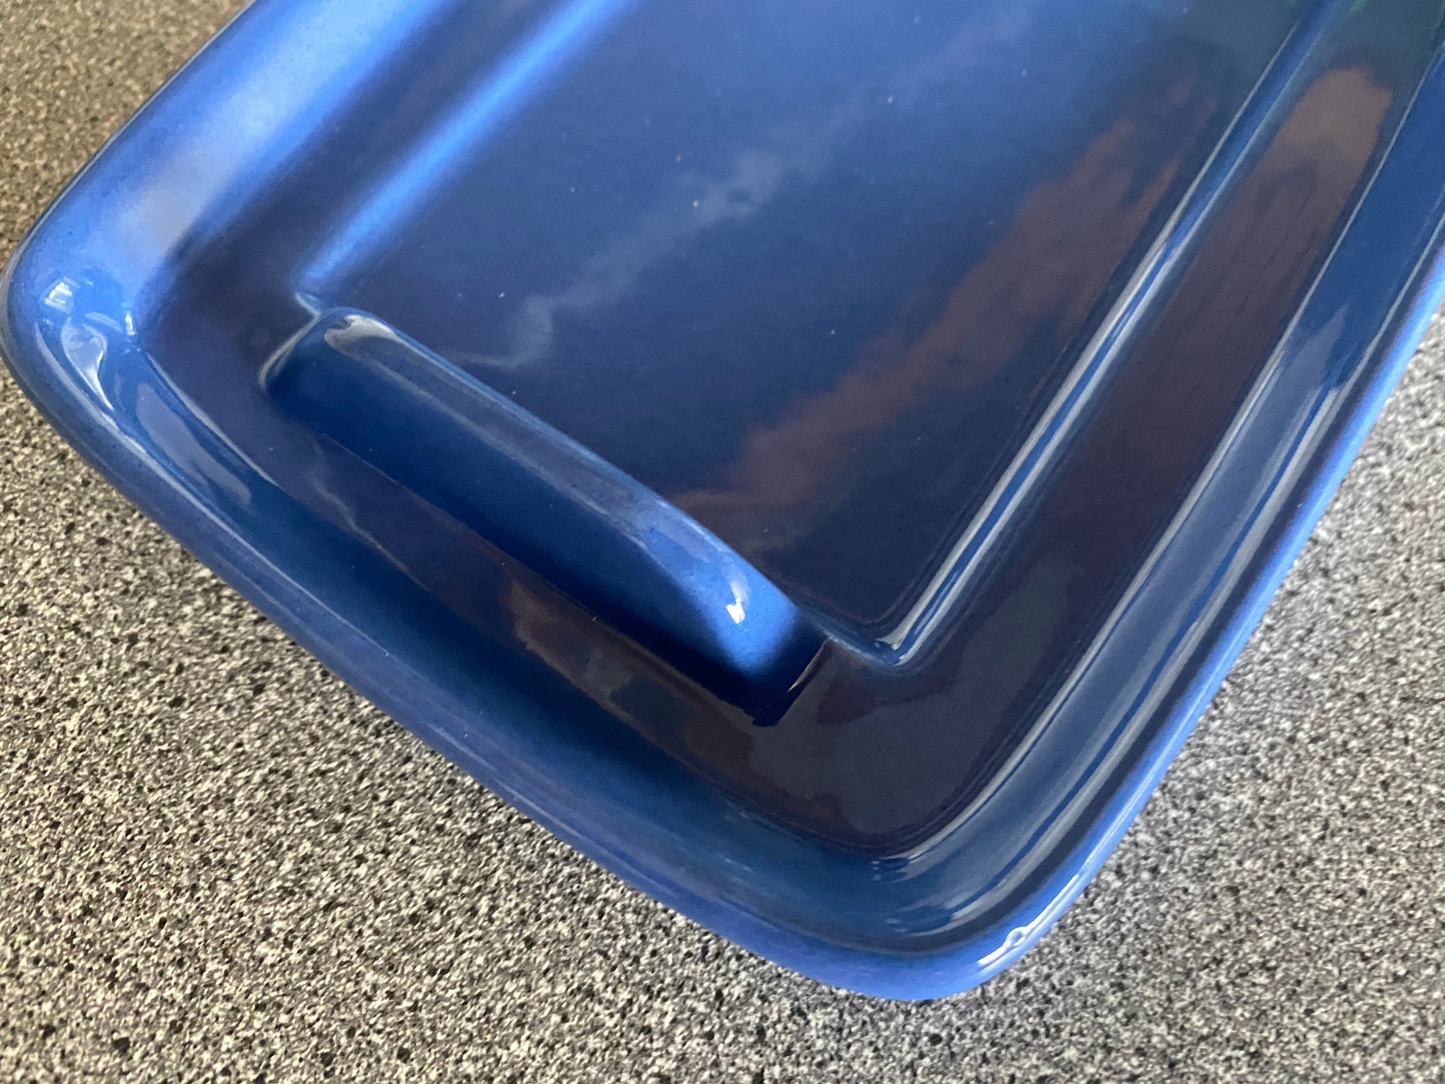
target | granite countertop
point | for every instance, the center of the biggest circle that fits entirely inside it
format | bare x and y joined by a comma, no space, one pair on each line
217,863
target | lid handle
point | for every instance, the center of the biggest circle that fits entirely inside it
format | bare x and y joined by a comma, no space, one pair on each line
618,548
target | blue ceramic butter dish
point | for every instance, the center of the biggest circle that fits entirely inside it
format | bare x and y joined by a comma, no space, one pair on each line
817,459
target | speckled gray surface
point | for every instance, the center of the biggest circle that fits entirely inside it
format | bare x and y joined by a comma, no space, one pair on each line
216,863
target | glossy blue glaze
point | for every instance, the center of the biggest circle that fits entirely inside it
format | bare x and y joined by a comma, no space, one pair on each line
588,383
571,517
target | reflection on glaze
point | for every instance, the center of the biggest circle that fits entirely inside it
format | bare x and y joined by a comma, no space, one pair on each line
797,150
81,328
798,478
504,89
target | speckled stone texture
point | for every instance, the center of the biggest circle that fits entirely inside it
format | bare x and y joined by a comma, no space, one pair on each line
217,863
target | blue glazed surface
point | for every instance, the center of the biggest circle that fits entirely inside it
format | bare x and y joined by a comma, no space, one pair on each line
946,388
